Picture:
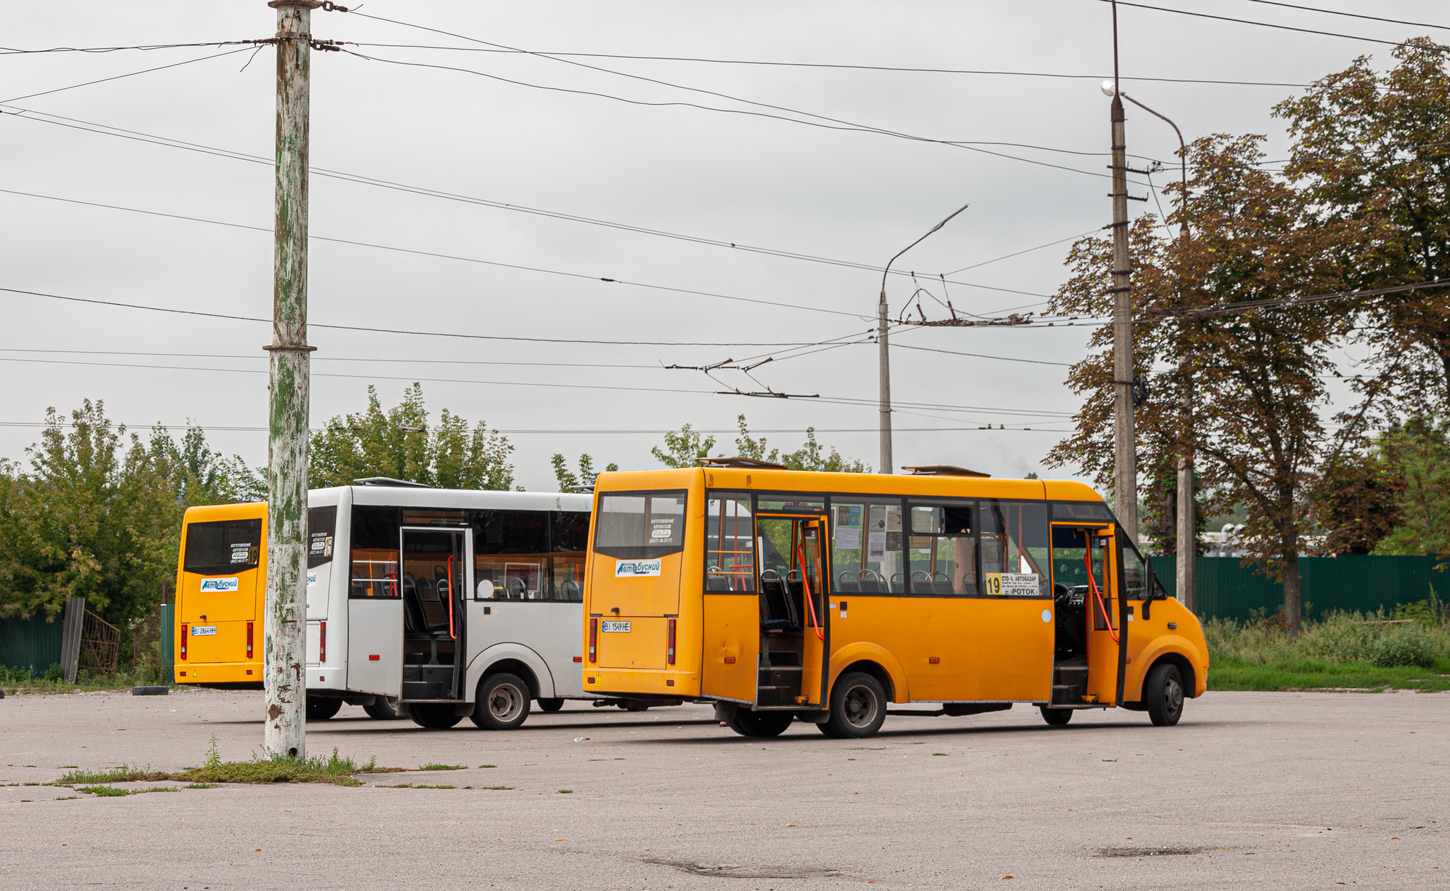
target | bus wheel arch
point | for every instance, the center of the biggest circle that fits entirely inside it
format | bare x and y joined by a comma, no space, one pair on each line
1185,673
1165,688
876,670
873,660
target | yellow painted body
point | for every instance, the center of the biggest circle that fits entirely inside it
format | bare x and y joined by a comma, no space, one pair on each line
220,658
931,648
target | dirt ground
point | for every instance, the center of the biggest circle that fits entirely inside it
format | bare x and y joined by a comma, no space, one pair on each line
1271,790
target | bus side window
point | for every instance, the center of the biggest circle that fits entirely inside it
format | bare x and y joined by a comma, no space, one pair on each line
374,547
943,549
1014,540
729,543
868,547
568,544
511,549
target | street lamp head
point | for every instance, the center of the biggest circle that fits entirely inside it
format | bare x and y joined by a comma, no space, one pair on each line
1109,89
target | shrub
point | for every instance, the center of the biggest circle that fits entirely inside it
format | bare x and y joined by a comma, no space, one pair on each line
1410,645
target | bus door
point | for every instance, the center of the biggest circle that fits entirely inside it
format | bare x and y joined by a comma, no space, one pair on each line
1105,629
434,579
794,619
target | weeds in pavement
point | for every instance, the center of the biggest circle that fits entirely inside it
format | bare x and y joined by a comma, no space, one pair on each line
122,774
435,766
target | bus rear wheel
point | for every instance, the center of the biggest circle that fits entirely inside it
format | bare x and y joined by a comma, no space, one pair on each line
858,706
1163,694
550,705
747,723
1057,717
320,708
433,716
502,703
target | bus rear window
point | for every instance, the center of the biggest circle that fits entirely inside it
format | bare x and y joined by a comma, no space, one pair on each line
640,526
223,547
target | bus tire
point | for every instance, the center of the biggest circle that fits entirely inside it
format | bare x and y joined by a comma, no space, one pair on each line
320,708
502,703
433,716
550,705
381,710
1057,717
858,706
1163,694
825,728
748,723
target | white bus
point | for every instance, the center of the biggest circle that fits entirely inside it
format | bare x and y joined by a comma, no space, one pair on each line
442,604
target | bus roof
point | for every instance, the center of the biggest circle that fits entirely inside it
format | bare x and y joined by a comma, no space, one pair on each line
765,480
394,496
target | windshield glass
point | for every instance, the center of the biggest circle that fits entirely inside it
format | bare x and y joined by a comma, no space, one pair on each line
640,525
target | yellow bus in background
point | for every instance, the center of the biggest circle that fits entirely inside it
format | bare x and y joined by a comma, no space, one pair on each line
782,595
221,580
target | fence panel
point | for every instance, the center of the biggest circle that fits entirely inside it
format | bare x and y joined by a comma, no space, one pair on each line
1227,590
30,643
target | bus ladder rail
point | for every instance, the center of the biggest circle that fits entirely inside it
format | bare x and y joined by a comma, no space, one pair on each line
1097,595
806,586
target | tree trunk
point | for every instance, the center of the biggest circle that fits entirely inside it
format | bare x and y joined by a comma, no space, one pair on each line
1293,620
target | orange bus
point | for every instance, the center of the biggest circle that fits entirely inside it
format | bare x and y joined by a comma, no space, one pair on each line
221,584
781,595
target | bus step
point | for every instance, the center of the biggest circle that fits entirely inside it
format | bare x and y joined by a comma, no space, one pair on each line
1071,675
1064,694
776,696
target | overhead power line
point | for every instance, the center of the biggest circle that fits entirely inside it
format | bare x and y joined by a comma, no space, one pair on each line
572,431
134,73
32,115
1224,309
828,65
443,256
1353,15
403,331
145,47
1224,18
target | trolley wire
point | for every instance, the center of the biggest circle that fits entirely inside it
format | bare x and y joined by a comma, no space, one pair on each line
133,73
1224,18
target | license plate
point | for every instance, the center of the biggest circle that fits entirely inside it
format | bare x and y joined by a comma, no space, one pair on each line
203,630
616,627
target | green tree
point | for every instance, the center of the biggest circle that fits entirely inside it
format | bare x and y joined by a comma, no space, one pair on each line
397,443
1418,452
1257,377
568,481
1372,149
683,448
95,516
810,456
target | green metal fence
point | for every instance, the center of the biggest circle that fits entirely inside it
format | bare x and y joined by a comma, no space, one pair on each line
1227,590
30,643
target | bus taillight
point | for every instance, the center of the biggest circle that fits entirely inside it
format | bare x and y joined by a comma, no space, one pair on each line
321,641
249,640
183,641
593,640
670,643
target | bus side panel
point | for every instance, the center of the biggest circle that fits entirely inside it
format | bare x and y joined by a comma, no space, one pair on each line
1012,649
563,646
731,646
375,646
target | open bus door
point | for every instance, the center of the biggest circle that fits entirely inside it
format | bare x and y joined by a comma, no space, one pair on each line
1105,626
794,618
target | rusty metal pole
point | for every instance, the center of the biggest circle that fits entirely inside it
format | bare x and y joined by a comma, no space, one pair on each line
1125,452
284,657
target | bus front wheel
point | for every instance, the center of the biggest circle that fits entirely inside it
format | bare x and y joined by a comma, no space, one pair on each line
858,706
1163,694
1057,717
748,723
321,708
502,703
433,716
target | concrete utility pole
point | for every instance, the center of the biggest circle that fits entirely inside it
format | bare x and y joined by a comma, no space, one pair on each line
882,309
284,642
1187,531
1125,451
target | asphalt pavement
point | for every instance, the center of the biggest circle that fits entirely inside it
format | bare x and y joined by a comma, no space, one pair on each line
1251,790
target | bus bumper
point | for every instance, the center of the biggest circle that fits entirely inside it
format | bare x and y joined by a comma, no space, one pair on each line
642,682
207,673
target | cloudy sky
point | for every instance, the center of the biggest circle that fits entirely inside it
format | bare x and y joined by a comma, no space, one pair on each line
787,158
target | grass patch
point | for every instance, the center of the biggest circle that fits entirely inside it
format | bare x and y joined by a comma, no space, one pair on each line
52,680
481,766
498,788
436,766
102,791
566,791
122,774
202,785
415,786
1409,649
68,798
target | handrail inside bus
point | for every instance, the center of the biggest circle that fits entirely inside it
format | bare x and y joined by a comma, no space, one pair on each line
450,598
806,587
1087,558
